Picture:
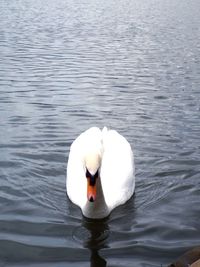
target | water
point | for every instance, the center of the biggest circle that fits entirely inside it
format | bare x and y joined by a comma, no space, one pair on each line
132,65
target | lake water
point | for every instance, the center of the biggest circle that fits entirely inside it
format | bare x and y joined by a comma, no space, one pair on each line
66,65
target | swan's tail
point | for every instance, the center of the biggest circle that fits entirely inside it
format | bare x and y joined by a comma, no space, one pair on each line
104,130
104,134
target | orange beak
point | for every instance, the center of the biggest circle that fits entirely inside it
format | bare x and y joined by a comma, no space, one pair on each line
91,191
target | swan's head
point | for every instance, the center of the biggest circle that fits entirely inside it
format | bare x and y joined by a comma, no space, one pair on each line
92,165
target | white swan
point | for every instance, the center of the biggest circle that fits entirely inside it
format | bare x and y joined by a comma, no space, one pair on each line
100,172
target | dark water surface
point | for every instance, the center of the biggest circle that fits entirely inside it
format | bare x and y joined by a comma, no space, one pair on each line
65,65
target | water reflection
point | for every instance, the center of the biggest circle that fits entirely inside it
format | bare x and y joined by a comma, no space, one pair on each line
98,239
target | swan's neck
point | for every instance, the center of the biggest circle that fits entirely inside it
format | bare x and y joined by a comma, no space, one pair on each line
98,208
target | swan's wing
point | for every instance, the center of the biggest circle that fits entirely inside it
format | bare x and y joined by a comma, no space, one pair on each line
117,169
76,182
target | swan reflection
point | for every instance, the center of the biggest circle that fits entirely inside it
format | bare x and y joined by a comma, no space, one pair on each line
98,239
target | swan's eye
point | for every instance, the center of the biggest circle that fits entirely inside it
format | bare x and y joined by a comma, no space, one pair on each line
88,174
96,174
92,178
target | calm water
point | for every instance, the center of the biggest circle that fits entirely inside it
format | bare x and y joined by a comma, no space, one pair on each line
65,65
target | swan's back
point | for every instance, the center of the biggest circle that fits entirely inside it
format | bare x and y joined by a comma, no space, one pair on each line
117,169
87,141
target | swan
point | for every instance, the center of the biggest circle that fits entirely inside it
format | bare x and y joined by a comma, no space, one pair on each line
100,172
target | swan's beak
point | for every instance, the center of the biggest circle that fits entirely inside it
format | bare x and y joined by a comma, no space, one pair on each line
91,191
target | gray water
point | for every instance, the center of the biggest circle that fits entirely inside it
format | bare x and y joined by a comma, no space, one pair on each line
66,65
